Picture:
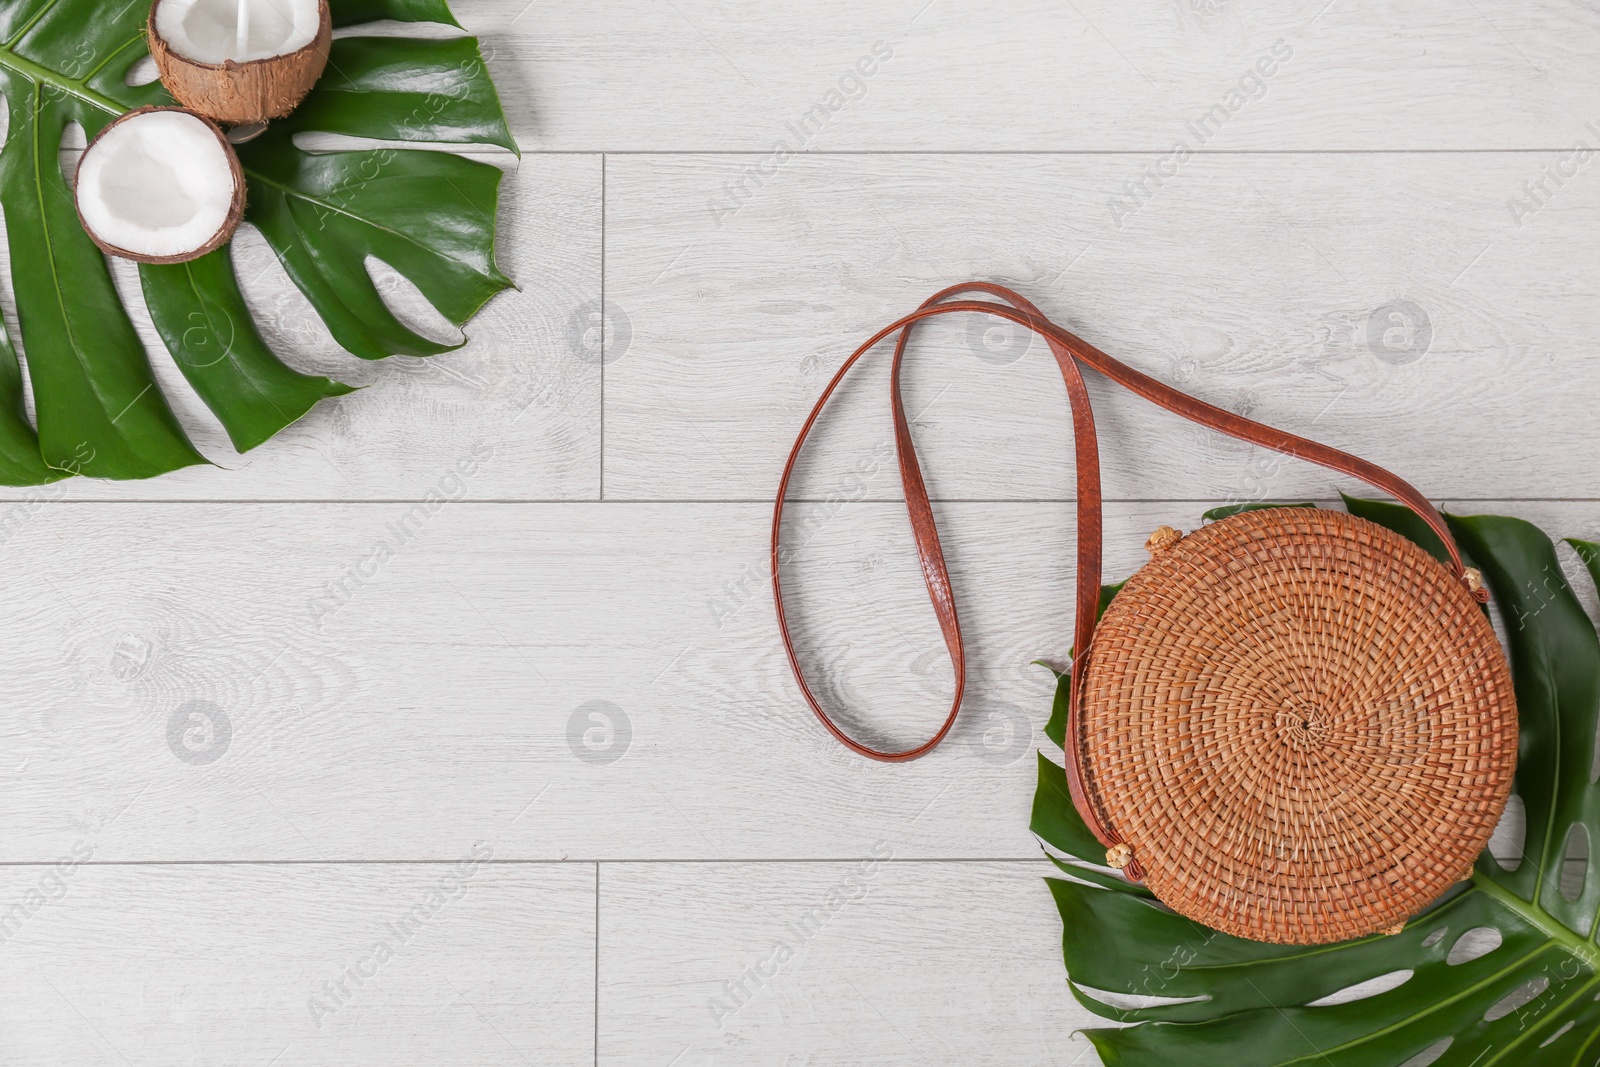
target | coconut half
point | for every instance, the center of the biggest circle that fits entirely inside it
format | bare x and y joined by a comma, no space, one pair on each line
240,61
160,185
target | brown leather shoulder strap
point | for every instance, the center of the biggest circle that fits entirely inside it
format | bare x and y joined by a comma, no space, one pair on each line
1069,351
924,529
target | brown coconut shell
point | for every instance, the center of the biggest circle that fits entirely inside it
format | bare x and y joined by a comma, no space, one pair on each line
235,94
235,211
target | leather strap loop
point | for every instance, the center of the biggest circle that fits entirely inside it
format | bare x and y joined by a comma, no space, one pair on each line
1071,353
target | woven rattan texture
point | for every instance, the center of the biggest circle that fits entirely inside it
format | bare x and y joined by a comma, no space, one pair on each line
1302,724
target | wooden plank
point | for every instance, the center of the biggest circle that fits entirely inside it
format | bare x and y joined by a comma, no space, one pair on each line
526,387
481,964
702,75
388,698
385,698
1388,305
867,962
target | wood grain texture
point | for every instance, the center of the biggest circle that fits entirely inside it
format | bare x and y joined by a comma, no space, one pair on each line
867,962
486,964
704,75
385,699
1387,305
528,384
418,619
452,692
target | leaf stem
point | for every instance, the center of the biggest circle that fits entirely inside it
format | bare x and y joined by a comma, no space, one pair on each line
45,76
1540,920
31,23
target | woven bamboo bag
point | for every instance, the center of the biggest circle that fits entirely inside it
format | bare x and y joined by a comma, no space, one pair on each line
1293,724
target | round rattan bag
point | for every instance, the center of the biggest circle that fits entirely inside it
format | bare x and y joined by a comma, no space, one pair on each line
1294,724
1299,722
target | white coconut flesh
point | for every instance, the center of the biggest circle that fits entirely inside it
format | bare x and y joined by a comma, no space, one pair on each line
157,184
214,31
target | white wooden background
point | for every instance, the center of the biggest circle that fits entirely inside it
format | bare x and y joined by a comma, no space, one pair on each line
607,555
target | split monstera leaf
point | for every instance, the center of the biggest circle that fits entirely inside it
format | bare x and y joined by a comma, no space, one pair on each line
429,215
1502,970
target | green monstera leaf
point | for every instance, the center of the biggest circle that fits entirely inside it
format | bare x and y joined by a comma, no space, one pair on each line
1502,970
427,214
